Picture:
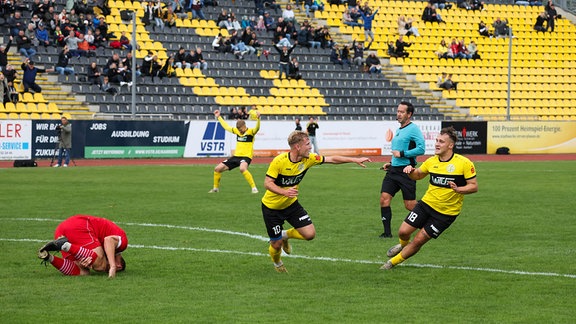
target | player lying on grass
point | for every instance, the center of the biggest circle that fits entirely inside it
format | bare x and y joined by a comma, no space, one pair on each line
86,242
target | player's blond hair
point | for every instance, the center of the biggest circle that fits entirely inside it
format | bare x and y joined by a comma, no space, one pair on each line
240,123
296,136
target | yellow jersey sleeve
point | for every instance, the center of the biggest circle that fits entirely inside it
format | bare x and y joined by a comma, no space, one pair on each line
287,174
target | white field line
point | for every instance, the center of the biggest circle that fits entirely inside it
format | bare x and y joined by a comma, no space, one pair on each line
170,248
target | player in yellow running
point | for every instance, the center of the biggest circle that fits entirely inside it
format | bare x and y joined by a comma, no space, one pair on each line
280,202
244,151
451,177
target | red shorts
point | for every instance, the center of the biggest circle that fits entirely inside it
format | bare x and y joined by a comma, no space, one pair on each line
89,232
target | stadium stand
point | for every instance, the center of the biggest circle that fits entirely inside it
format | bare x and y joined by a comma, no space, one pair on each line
542,71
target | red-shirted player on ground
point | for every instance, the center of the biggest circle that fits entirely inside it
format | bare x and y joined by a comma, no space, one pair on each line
86,242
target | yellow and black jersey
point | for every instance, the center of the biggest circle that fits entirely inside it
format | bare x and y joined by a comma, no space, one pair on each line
439,194
287,174
244,142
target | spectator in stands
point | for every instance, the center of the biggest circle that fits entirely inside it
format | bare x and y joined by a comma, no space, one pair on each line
29,76
441,4
406,27
9,73
501,28
108,88
431,15
335,56
443,50
114,75
180,59
94,75
463,50
24,45
221,44
72,42
552,15
345,55
454,50
148,16
30,33
253,40
198,60
348,20
99,39
294,70
312,5
222,19
322,34
288,13
169,17
400,47
196,8
167,69
260,25
84,46
473,50
4,54
367,18
483,29
62,66
125,42
540,20
16,23
284,62
127,62
477,5
445,82
242,113
271,4
5,91
42,36
269,22
373,64
358,57
391,51
114,59
463,4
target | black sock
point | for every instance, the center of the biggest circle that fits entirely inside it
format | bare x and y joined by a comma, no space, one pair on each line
386,213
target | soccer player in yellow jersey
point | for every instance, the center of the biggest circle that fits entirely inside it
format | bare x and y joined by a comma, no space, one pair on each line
280,202
451,177
244,151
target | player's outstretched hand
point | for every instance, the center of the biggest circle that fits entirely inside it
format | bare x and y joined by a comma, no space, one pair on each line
362,160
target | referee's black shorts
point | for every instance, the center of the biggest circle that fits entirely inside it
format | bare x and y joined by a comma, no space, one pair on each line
396,180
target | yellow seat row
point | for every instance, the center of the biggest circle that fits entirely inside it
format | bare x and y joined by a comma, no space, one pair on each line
29,107
33,115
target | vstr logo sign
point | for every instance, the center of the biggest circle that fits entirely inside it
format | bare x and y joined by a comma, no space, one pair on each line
213,141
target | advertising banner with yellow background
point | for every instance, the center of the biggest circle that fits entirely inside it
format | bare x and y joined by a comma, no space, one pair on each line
532,137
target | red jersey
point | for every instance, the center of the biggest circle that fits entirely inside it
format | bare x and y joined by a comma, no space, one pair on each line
89,232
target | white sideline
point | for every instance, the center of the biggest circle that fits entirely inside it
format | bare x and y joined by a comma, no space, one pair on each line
261,238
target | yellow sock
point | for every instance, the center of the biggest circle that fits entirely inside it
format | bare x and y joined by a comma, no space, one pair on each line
403,243
293,233
248,176
274,254
217,176
397,259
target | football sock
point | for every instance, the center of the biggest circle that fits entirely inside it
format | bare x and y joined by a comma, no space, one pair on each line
65,266
248,176
217,176
292,233
274,254
79,252
397,259
386,213
403,243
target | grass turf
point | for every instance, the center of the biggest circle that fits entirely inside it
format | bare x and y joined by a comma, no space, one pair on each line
198,257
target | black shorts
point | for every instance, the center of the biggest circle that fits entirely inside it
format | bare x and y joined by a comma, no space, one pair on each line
433,222
274,219
234,162
396,180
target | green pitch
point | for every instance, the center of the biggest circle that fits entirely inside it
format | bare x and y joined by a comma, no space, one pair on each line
202,258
